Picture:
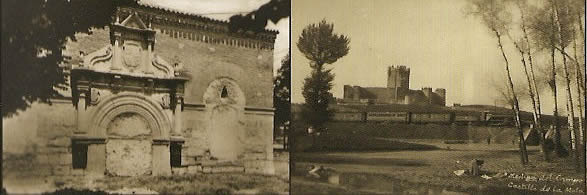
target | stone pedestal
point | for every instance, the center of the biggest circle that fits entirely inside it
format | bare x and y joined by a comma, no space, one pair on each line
96,159
161,163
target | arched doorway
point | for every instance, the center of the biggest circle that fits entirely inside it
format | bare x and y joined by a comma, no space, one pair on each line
225,104
136,129
128,147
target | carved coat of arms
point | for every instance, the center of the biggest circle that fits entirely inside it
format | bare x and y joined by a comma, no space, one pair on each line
132,55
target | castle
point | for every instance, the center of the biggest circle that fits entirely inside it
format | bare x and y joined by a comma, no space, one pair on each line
158,92
396,92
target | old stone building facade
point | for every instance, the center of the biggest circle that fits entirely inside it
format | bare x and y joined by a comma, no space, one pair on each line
397,91
159,92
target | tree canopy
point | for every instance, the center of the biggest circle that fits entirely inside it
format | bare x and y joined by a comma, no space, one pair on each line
320,45
33,36
281,94
256,21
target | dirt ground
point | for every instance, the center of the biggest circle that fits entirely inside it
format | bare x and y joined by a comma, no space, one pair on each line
226,183
416,169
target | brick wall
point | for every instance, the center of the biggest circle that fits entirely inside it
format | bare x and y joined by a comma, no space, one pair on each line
207,62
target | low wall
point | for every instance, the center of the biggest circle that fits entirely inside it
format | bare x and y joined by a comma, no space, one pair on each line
501,135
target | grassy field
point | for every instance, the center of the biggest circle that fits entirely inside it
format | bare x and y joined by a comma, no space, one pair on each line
432,168
379,159
338,142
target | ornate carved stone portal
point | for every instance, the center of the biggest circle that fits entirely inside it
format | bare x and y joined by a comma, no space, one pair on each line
129,102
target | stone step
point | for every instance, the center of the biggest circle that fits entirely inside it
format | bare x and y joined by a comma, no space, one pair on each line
218,163
223,169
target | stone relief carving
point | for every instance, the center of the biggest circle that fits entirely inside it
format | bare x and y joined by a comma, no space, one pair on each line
131,52
132,55
177,66
94,96
97,57
162,65
166,101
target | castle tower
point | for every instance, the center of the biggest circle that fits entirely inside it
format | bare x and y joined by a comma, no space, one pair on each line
356,93
347,92
441,92
428,93
398,77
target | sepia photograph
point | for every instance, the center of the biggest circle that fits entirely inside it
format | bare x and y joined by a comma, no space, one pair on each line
145,96
438,97
301,97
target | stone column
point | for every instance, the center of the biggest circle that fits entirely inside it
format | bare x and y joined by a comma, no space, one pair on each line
81,114
149,58
116,62
177,118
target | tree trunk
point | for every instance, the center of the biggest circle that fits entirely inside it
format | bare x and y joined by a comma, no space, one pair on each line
570,107
558,148
579,80
532,87
530,61
522,145
536,117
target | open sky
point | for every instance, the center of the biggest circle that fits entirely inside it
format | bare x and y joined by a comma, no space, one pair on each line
443,47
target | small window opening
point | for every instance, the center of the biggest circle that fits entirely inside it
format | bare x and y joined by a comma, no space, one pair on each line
224,93
175,149
79,154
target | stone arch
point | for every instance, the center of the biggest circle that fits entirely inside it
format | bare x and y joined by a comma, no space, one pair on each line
213,94
225,103
127,102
